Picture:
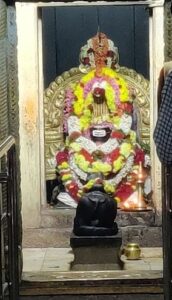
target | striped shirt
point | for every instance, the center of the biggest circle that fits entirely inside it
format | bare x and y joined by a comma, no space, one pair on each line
163,130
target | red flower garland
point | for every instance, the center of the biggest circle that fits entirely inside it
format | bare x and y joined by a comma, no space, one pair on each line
124,191
118,135
73,189
139,156
62,156
87,155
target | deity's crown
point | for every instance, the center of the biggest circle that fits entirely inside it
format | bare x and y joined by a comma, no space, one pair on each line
99,52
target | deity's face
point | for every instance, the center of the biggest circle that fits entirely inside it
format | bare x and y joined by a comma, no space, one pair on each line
99,95
100,133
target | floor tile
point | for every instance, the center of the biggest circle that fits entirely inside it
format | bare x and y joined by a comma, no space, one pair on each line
59,260
33,259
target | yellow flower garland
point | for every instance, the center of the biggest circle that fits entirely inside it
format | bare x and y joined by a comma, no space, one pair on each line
81,104
100,166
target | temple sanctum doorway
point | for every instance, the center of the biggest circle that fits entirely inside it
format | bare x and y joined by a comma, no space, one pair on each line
49,73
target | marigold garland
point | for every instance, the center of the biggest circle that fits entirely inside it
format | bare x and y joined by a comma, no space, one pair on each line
116,163
116,91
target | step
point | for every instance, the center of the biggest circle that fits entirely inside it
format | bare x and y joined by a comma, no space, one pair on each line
56,227
56,217
100,285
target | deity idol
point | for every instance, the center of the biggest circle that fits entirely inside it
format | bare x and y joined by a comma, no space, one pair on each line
101,152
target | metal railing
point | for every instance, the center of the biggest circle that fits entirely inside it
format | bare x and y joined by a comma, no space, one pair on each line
9,227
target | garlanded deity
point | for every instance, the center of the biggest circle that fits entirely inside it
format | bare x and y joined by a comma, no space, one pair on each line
101,145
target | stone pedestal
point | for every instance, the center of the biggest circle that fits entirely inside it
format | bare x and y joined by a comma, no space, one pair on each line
96,252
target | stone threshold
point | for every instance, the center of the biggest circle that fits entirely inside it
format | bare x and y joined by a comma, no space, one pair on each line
91,283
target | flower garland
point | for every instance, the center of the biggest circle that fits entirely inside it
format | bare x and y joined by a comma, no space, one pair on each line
123,165
98,161
118,158
116,93
76,188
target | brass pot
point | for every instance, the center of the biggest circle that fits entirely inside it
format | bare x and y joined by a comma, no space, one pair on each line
132,251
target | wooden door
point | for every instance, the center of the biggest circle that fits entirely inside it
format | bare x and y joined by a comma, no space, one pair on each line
67,29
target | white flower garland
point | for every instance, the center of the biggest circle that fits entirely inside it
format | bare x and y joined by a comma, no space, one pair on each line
76,169
125,123
90,146
123,172
147,162
75,177
77,172
73,125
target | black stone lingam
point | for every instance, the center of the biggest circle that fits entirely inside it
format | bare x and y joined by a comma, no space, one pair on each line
95,242
95,214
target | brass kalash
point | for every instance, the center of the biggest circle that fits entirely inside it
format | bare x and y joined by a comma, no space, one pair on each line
132,251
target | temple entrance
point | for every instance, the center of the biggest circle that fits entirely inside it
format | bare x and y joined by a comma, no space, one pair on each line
52,227
33,185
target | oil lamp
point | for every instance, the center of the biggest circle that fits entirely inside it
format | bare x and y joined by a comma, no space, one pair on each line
141,205
136,201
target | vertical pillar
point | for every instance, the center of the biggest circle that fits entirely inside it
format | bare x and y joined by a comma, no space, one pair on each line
29,132
41,113
156,63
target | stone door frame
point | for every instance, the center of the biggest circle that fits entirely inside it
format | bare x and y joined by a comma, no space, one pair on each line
31,117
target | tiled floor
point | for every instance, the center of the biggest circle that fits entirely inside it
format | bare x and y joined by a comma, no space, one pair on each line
59,259
46,259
